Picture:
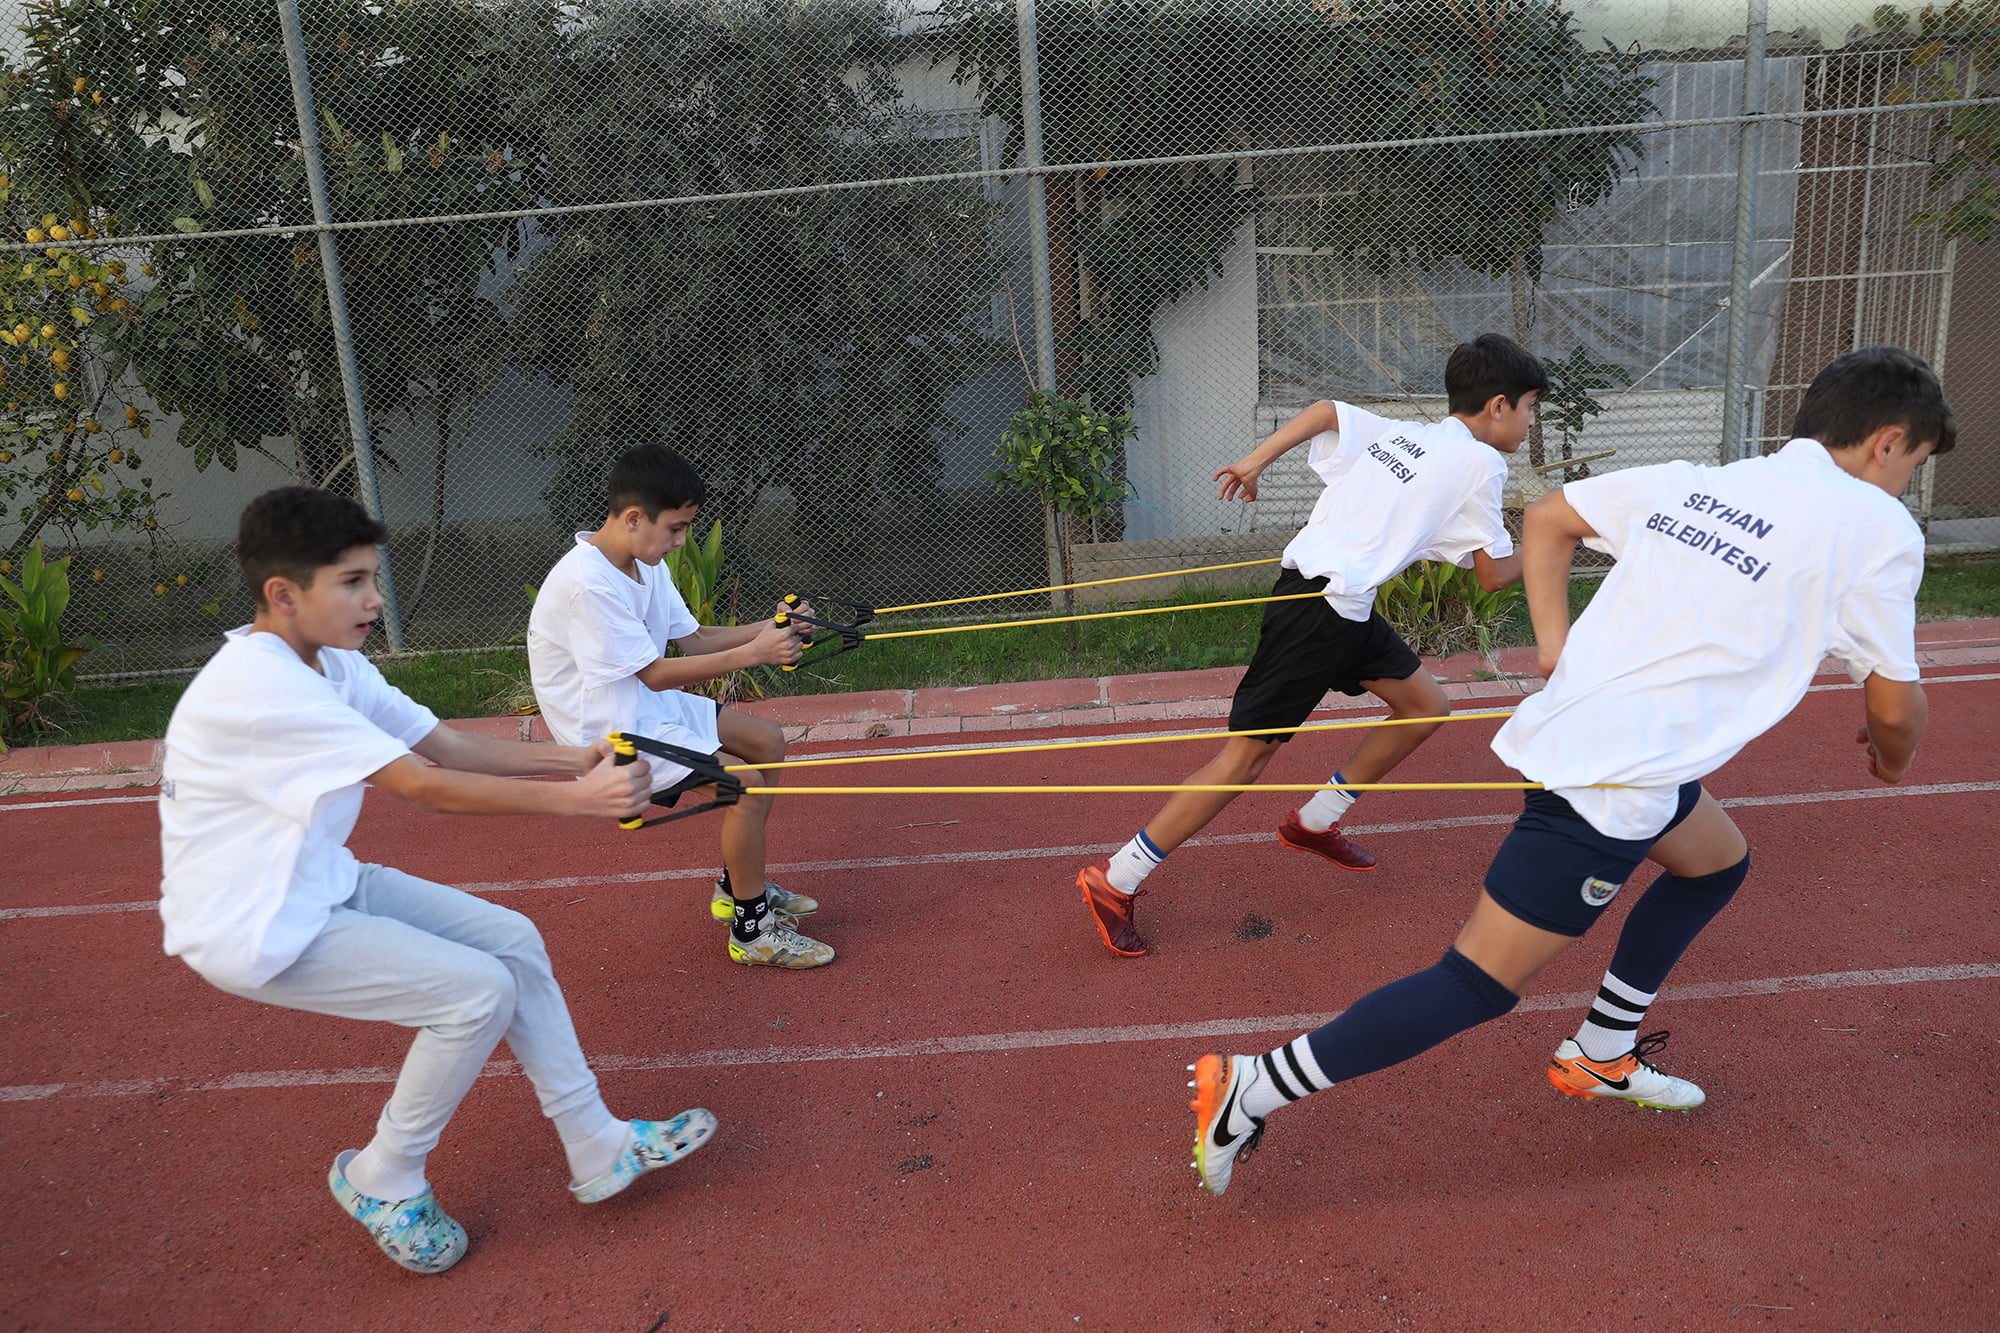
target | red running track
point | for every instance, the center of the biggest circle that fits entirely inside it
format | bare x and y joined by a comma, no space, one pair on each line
976,1117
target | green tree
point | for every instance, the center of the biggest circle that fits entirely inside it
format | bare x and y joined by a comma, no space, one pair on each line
810,341
70,451
1957,48
1134,78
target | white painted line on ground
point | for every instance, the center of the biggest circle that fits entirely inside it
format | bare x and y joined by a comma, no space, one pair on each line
983,1043
1086,850
92,800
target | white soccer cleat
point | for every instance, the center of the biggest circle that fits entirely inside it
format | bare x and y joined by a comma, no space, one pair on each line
1222,1129
1630,1077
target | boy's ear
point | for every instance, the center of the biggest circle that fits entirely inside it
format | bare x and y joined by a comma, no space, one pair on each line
630,517
281,595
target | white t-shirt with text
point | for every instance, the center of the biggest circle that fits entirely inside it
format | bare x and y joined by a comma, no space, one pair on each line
1732,583
593,629
262,783
1397,493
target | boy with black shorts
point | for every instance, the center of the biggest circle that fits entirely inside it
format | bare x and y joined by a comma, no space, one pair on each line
602,620
267,755
1395,493
1731,584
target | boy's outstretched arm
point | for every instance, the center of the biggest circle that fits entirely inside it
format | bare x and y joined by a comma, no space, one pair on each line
469,752
713,651
605,789
1897,715
1550,532
1239,479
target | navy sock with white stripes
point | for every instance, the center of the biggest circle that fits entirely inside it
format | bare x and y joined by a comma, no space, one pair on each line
1663,923
1382,1028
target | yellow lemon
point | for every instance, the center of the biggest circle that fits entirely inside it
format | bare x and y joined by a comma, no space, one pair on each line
58,233
61,391
97,574
48,331
181,579
36,236
74,493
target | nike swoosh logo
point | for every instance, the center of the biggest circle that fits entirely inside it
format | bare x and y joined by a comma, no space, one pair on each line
1223,1138
1619,1084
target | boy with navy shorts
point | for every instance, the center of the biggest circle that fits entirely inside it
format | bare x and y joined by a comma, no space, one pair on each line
267,755
1395,493
1731,584
596,642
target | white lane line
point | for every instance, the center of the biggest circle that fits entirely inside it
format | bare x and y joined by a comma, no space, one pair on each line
93,800
917,746
983,1043
1030,853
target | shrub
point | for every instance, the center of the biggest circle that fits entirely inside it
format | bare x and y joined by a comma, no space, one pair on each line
37,668
1441,609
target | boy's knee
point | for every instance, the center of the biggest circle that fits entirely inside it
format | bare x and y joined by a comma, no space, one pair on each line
518,937
489,992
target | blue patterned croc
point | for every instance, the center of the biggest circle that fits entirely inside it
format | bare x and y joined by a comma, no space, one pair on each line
415,1233
651,1145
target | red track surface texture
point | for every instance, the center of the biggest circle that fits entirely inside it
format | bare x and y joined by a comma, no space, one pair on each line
975,1118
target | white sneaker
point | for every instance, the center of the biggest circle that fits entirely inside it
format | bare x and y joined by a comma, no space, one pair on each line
1630,1077
1222,1129
779,944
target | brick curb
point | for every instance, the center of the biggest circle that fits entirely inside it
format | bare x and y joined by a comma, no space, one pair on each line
1019,706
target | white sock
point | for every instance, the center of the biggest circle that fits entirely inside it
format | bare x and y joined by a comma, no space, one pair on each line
1324,810
1283,1077
1133,862
591,1140
1608,1029
380,1173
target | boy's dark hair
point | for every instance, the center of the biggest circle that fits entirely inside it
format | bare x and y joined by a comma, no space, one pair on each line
1491,364
655,478
1862,391
295,531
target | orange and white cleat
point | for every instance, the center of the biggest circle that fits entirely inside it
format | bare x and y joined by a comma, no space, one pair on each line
1222,1130
1630,1077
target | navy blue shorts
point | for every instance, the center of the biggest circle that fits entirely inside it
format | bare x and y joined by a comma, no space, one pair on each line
1557,872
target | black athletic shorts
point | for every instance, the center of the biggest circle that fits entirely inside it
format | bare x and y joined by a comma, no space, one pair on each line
1306,649
1558,872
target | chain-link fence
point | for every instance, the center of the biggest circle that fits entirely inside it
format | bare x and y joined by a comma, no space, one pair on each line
825,247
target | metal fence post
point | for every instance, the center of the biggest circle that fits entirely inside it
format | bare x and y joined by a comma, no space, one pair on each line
359,436
1735,402
1038,253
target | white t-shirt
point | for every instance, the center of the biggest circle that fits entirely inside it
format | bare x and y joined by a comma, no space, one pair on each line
1731,584
592,631
1397,493
261,785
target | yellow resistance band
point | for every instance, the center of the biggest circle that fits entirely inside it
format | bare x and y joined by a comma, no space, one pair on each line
1095,615
1121,740
1064,587
1057,791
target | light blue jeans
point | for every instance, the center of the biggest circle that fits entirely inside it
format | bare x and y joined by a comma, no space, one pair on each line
465,973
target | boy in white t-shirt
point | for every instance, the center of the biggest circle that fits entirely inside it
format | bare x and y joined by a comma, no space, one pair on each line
267,755
1731,584
1395,493
596,642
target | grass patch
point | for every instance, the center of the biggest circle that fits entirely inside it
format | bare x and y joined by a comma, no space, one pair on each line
485,684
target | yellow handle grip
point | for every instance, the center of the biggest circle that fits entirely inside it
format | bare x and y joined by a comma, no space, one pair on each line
623,752
781,620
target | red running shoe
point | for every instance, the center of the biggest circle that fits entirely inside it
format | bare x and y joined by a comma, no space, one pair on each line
1111,910
1332,844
